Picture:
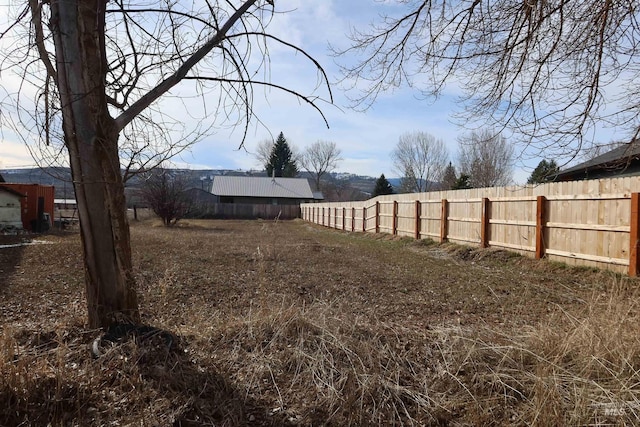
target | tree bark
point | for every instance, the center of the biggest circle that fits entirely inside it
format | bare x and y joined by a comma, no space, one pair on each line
91,137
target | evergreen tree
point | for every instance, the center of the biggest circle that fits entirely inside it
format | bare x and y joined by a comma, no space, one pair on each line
544,172
383,186
281,162
462,183
449,178
409,182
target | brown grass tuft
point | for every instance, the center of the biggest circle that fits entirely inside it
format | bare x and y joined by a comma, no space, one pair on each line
289,324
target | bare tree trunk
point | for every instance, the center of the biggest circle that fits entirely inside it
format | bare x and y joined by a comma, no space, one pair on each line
91,137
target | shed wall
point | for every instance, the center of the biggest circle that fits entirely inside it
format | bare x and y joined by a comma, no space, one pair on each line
10,210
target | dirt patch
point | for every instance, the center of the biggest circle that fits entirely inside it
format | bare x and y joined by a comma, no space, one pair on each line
286,323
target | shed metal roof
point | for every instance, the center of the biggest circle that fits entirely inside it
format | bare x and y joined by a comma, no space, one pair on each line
250,186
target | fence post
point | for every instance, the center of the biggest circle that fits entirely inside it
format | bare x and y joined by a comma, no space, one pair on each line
364,219
418,222
541,205
484,223
394,229
323,217
444,221
353,219
377,217
344,214
634,230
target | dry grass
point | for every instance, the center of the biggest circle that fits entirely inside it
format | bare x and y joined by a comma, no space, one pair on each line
291,324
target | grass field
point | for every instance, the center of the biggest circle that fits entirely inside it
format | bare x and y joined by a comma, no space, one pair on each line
286,323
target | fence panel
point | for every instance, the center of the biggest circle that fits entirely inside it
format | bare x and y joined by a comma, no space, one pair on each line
464,221
512,223
581,222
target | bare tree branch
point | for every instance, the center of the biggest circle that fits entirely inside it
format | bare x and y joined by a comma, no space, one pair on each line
550,72
163,87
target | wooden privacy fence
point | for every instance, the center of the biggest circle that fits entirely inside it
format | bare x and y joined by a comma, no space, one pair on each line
592,223
245,211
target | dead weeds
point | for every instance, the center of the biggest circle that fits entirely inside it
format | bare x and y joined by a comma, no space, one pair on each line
292,324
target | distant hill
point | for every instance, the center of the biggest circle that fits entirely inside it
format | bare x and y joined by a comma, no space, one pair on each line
60,178
57,176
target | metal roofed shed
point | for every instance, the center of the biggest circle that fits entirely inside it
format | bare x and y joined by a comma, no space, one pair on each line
262,190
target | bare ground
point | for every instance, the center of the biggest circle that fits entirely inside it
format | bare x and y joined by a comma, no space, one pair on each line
291,324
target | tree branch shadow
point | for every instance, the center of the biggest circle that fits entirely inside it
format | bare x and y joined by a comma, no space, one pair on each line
10,258
54,379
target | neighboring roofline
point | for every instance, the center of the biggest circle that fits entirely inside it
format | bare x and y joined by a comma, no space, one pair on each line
267,197
618,158
286,191
11,190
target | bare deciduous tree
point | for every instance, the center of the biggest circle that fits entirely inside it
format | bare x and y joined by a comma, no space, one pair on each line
164,191
98,72
487,158
320,158
263,151
550,71
420,158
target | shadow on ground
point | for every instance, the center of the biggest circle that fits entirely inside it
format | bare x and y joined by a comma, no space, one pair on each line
52,378
10,258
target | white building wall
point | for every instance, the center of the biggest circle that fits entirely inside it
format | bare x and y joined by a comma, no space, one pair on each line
9,210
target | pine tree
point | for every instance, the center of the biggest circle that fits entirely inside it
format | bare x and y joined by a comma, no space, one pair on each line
281,162
449,177
383,186
462,183
409,182
544,172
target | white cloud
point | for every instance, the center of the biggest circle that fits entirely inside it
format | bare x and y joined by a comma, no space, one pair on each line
14,155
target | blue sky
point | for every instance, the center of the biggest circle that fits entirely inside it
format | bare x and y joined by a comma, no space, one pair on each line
365,138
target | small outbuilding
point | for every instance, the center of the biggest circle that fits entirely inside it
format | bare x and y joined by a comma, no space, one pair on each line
36,207
263,190
10,215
